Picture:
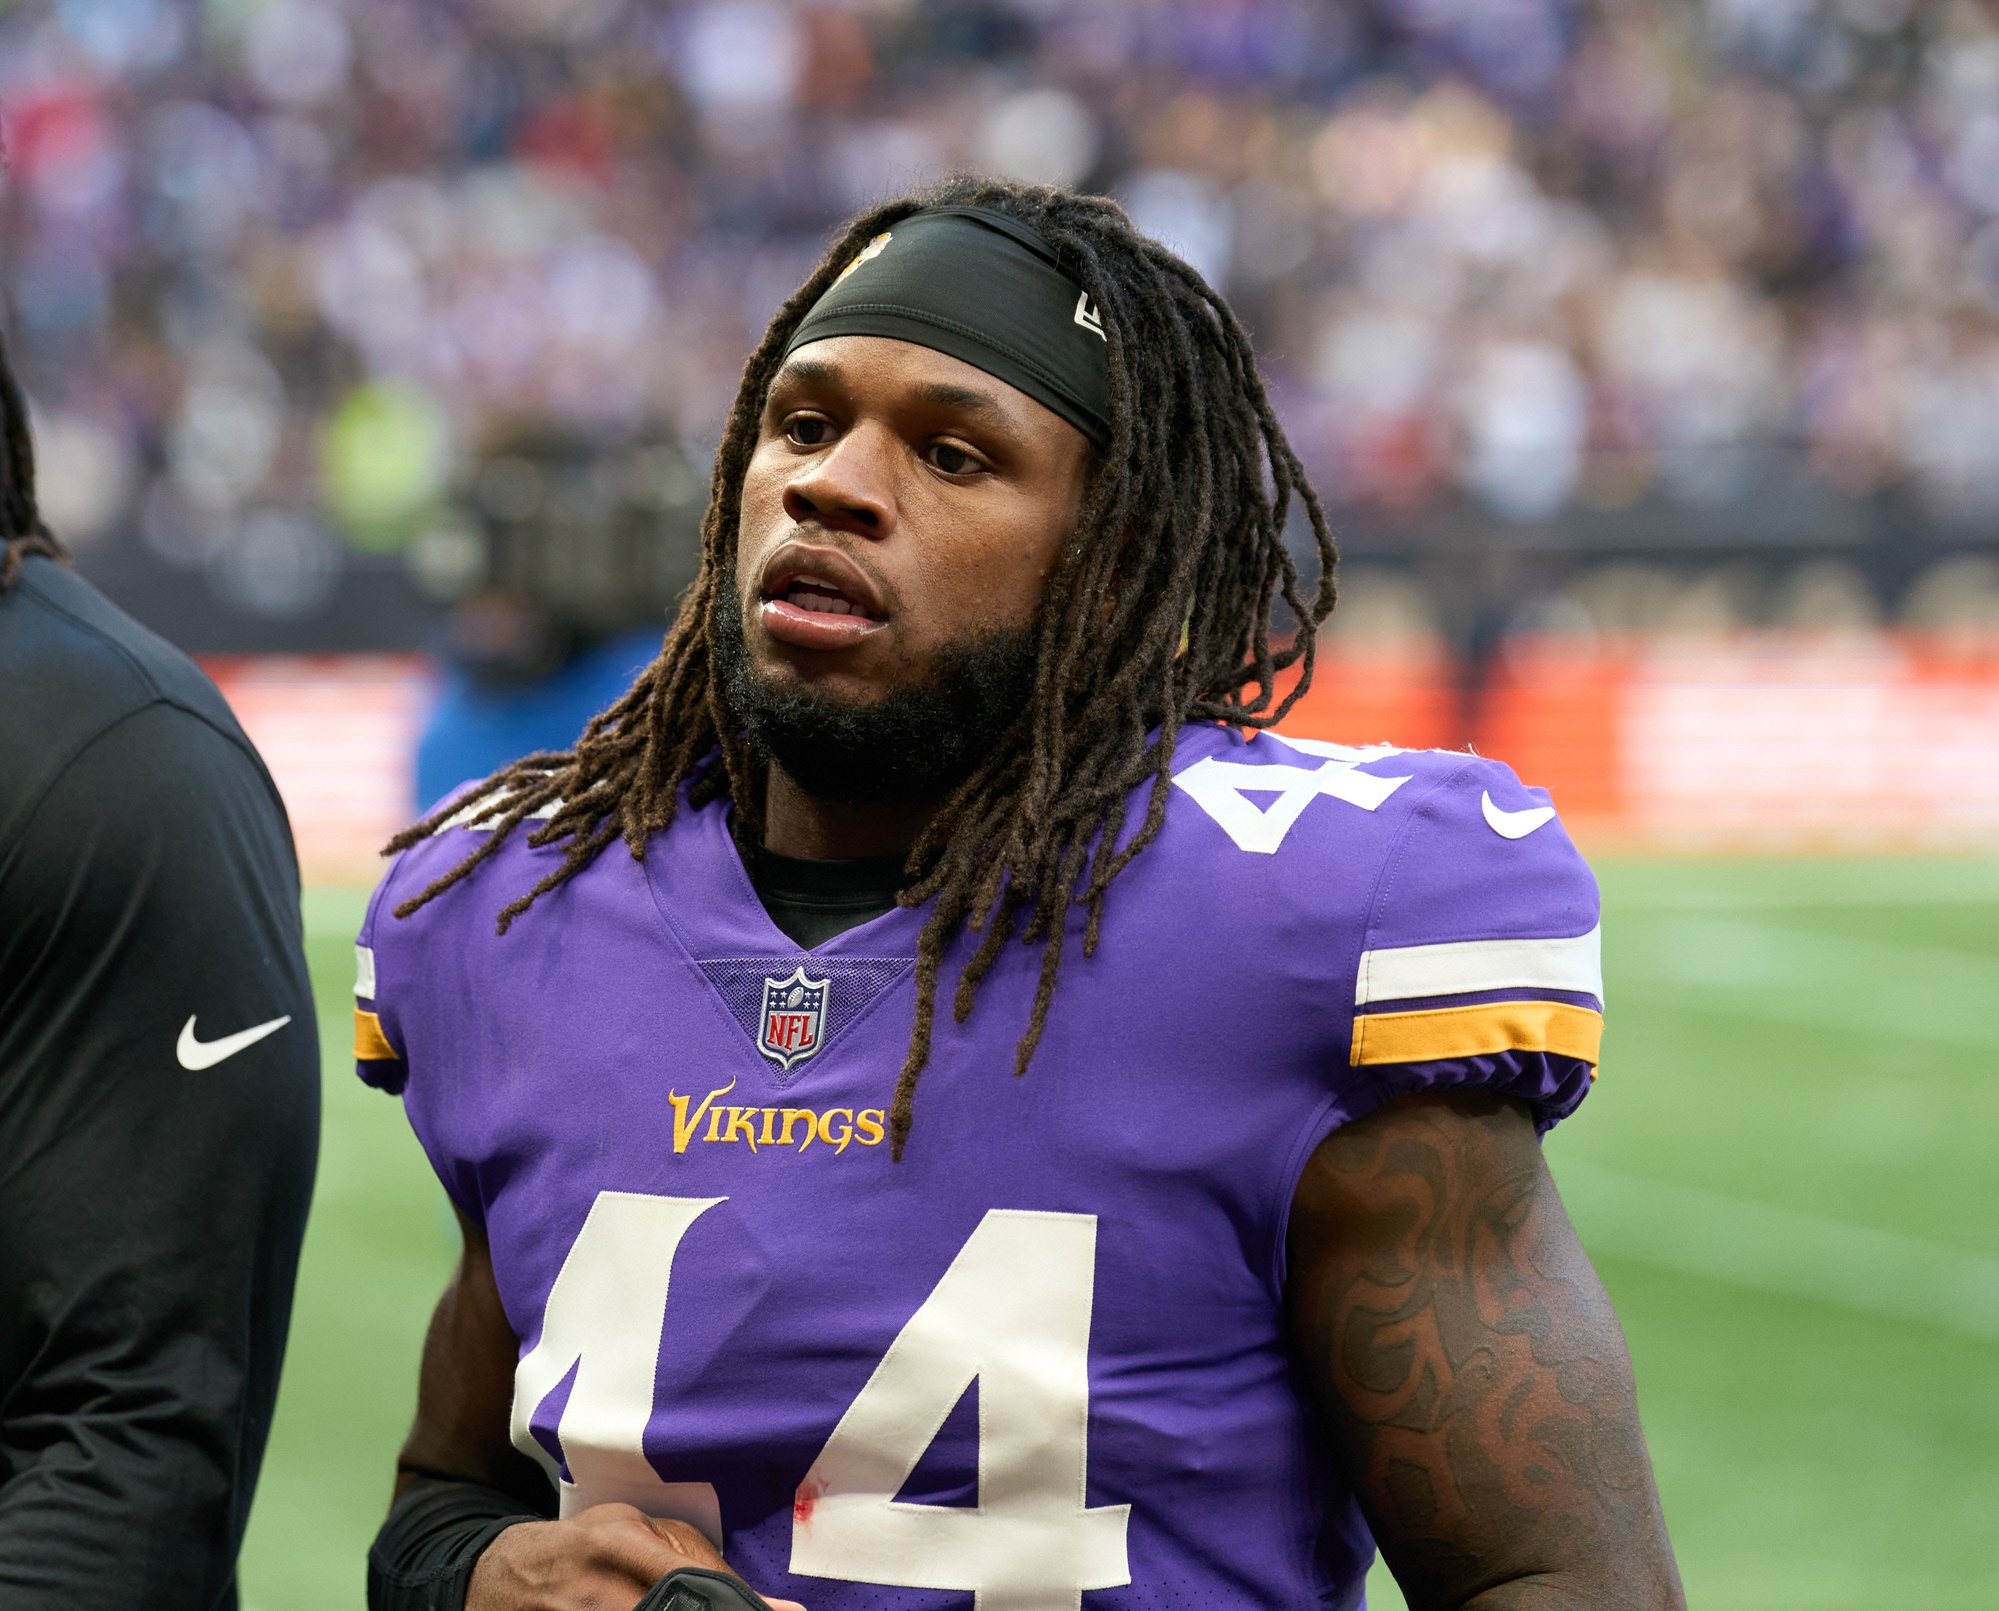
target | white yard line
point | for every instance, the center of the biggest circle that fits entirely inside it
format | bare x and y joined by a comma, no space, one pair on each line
1827,981
1752,1244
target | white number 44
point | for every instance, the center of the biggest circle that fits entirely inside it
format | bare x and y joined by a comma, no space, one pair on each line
1012,1312
1222,788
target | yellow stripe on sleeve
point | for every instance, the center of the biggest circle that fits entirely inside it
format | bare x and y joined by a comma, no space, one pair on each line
370,1044
1481,1031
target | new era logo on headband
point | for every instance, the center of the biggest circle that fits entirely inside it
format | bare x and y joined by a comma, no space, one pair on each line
1086,316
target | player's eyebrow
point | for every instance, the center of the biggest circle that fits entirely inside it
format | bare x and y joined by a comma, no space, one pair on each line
812,369
949,396
806,371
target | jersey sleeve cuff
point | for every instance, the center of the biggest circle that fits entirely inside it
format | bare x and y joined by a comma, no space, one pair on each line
1550,1084
1481,1029
376,1061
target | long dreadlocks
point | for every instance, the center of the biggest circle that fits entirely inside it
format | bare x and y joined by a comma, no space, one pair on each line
21,530
1158,614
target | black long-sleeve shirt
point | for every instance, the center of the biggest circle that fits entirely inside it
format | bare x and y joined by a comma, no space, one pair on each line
154,1172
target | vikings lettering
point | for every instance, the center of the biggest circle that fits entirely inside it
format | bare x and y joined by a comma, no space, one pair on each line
684,1127
837,1128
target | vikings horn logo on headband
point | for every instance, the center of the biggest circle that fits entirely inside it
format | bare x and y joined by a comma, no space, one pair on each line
872,249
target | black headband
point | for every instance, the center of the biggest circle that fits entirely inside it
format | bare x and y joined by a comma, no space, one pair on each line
986,289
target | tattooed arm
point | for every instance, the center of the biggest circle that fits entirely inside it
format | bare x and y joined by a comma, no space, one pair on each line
1471,1370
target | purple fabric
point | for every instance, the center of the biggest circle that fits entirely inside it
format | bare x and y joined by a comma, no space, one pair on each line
1431,890
1188,1070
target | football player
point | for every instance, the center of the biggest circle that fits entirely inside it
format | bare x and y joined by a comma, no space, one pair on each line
1202,1242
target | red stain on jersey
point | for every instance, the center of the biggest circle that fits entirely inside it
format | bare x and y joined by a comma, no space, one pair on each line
807,1499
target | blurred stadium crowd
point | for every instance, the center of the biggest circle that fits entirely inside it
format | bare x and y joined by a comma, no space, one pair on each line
277,267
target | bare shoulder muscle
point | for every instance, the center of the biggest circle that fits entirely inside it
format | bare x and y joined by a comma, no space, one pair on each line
1471,1369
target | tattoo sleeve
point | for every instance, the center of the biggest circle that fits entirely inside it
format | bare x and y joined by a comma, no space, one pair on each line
1472,1373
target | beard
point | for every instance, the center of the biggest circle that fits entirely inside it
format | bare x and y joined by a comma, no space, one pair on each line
914,740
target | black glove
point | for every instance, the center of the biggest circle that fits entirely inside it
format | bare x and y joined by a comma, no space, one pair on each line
695,1588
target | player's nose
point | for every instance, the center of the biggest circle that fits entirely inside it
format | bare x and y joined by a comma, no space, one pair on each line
849,488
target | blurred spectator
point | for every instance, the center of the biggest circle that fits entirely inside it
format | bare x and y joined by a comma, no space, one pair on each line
277,264
563,558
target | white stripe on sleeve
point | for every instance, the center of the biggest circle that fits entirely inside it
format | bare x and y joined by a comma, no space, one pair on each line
364,973
1463,966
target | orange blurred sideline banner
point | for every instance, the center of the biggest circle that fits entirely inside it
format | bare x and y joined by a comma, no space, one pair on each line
1762,742
1407,695
338,733
1881,743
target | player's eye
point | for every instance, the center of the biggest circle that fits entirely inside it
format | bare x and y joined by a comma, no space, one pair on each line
808,430
952,460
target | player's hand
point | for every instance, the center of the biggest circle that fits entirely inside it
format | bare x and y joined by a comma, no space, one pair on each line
603,1559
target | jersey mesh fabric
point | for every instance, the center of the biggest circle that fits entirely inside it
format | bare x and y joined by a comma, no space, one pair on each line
854,983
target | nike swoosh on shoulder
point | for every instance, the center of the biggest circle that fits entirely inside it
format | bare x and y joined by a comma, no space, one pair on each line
198,1054
1514,824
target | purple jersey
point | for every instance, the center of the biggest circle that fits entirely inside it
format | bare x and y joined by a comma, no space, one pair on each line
1043,1357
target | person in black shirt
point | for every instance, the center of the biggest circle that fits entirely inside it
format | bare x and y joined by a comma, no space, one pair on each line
159,1095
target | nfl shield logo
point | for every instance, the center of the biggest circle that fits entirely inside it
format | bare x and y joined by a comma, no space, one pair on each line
794,1019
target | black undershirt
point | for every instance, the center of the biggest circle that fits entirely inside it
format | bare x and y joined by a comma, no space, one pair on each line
814,900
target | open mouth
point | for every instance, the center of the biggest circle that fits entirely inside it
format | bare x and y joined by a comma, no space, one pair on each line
817,597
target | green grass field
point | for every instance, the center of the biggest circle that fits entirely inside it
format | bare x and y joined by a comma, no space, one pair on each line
1788,1174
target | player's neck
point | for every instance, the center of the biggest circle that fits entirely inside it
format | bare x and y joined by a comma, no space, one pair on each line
802,825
